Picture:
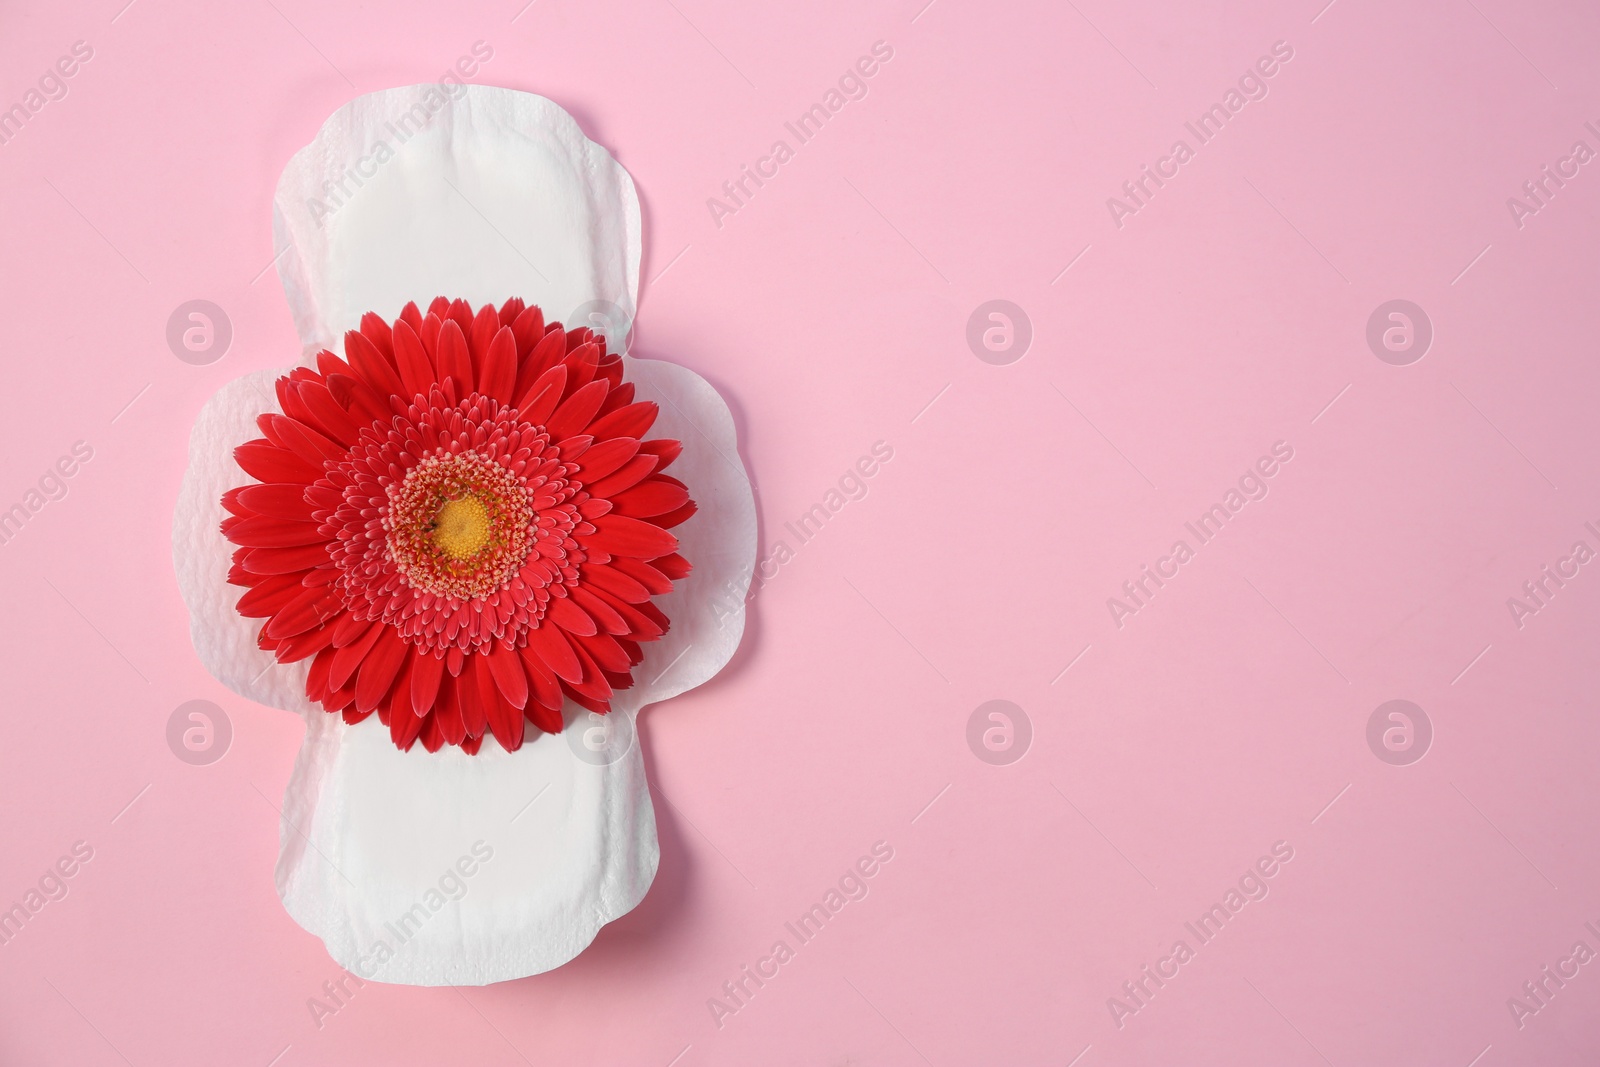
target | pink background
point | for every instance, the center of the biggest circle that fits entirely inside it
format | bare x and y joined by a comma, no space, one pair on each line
831,310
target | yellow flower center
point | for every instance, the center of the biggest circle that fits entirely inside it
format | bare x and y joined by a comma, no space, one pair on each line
461,527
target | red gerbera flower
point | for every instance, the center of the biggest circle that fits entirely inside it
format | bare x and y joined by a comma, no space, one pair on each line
461,522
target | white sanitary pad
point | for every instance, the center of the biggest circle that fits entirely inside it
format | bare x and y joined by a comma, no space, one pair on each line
442,868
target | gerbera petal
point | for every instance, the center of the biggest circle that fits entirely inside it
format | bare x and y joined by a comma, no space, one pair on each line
455,361
426,671
555,652
379,668
550,348
447,713
284,560
635,653
527,328
620,396
289,399
231,504
543,395
571,618
575,412
571,448
655,615
622,536
329,417
614,581
305,442
505,721
447,706
317,676
260,531
266,462
404,729
350,629
583,360
371,364
588,703
628,475
648,574
374,329
397,702
641,627
512,308
309,643
631,421
593,684
357,397
349,658
321,575
546,719
279,500
416,369
428,333
545,690
469,698
673,566
431,736
506,667
310,609
602,613
411,315
676,517
652,496
498,373
329,364
607,457
667,449
485,324
605,651
271,594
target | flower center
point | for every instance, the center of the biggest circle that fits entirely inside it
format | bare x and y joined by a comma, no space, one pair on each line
459,525
461,528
